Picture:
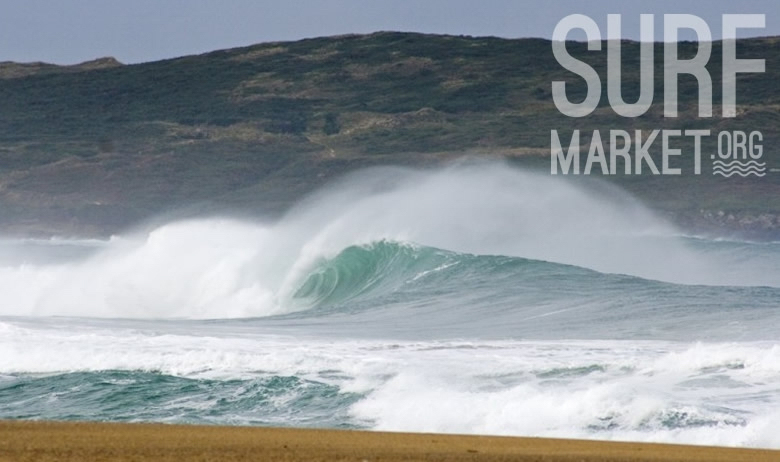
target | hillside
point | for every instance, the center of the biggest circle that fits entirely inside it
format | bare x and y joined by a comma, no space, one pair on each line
93,148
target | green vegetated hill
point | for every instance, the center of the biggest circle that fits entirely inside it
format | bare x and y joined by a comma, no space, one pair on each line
92,148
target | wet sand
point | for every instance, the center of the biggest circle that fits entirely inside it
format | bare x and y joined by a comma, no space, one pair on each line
56,441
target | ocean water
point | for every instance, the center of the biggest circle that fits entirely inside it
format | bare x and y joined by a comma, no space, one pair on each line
472,299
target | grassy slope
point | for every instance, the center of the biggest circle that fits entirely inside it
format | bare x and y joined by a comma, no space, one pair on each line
90,149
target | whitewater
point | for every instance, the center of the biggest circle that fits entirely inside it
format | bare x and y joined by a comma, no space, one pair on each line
476,298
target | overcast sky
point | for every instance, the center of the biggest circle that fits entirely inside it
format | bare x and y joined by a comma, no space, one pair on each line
69,31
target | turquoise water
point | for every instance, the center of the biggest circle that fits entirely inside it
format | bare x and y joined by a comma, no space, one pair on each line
476,299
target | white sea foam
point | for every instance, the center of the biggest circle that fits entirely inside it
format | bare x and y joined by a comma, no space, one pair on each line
701,394
723,394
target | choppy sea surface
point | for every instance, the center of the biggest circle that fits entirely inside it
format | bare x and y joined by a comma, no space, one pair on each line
473,299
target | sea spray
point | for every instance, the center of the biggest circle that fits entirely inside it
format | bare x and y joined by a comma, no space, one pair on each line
221,268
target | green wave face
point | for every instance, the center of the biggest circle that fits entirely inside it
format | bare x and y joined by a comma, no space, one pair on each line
400,287
401,271
382,266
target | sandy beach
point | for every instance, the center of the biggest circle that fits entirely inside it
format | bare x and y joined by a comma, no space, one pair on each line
57,441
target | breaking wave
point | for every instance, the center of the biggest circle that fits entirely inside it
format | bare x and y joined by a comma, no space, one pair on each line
361,236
